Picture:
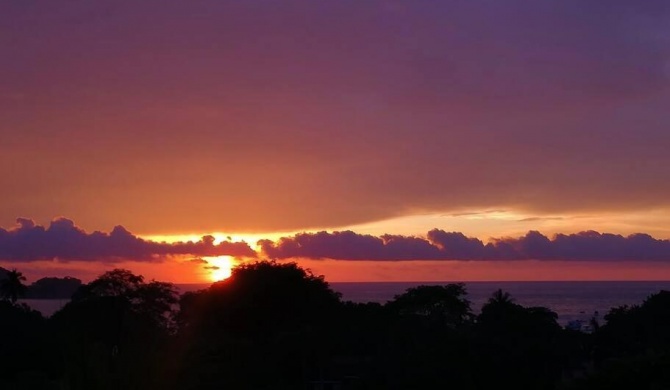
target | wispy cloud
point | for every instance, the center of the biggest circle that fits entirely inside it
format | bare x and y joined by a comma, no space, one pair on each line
476,213
534,219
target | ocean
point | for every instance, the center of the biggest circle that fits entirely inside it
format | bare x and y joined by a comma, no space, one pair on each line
572,301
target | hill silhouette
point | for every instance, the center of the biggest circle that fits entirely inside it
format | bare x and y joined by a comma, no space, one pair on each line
53,288
48,287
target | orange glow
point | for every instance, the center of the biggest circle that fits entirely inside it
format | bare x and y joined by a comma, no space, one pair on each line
485,271
250,239
374,271
224,266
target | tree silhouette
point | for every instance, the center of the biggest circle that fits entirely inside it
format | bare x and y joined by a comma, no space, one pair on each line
114,283
501,314
501,297
12,287
24,343
518,346
445,304
114,333
261,299
154,301
632,348
269,325
276,325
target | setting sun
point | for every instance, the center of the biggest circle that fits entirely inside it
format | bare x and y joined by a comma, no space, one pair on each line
220,267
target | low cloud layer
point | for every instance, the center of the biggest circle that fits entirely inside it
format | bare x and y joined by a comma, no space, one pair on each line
62,240
442,245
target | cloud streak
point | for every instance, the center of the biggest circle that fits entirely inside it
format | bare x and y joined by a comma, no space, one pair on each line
442,245
62,240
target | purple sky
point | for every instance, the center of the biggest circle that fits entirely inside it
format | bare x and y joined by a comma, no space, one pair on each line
189,116
387,118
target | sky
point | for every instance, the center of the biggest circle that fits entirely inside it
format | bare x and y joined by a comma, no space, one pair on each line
172,120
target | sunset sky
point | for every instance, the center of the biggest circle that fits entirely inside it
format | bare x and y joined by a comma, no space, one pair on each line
367,140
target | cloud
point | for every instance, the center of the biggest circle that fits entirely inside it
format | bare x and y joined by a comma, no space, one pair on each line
473,213
535,219
456,245
62,240
442,245
347,245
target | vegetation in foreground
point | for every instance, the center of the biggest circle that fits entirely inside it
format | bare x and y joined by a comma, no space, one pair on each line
278,326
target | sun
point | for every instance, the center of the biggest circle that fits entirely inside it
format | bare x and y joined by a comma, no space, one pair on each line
220,267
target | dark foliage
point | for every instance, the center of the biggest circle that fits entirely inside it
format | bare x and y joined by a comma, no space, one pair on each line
115,332
632,350
278,326
268,324
12,286
24,346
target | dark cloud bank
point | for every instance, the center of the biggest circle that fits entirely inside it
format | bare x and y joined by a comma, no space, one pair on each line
441,245
63,240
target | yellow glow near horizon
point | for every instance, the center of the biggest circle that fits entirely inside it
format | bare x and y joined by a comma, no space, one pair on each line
250,239
483,224
225,265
